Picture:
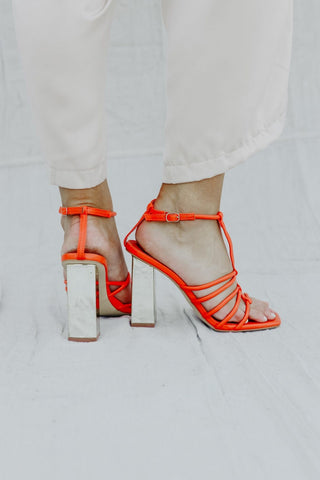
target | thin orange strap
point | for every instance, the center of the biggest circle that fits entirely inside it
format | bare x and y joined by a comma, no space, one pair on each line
132,230
97,212
153,215
82,236
84,211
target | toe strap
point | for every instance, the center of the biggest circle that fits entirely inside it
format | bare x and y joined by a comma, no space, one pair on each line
227,281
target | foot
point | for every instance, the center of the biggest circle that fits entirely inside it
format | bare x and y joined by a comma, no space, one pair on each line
102,234
196,250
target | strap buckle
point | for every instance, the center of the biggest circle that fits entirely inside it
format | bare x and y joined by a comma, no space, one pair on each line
176,220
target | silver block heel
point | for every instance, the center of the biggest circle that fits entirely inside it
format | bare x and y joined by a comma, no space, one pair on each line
143,311
83,323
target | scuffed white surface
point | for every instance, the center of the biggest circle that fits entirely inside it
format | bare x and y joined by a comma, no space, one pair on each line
180,401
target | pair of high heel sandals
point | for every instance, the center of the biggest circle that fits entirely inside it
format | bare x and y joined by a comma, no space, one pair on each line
91,294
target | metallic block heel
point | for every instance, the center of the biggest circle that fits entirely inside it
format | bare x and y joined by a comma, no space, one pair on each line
83,323
143,311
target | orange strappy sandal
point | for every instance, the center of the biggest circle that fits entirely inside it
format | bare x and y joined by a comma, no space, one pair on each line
87,284
143,281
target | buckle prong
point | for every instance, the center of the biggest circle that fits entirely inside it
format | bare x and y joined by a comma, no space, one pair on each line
172,221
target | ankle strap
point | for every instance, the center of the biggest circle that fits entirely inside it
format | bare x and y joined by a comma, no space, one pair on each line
85,210
153,215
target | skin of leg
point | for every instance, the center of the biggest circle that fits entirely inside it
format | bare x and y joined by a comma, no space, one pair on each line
102,234
195,250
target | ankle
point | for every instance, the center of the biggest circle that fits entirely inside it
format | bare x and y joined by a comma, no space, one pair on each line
96,197
198,197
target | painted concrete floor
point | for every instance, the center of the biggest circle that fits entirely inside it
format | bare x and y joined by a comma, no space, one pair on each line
178,402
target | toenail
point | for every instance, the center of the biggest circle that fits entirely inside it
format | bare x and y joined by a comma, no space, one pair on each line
265,318
272,316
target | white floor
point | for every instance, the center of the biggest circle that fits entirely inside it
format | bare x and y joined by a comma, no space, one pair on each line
178,402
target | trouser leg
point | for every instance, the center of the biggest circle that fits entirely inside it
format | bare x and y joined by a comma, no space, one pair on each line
227,77
63,46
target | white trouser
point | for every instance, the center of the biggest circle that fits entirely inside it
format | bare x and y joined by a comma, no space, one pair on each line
227,76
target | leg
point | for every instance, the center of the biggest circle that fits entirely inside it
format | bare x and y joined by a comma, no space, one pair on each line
227,94
63,46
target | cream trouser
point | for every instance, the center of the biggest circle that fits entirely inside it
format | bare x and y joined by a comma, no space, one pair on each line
227,76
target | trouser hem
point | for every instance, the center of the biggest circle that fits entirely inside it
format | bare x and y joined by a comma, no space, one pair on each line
78,179
192,171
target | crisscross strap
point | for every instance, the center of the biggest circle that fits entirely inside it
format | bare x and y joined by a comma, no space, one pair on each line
84,211
121,285
153,215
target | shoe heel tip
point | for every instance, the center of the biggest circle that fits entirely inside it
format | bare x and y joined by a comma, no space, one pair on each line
84,340
148,325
